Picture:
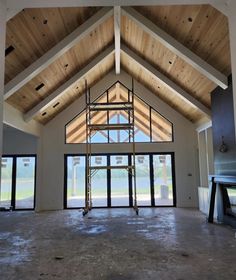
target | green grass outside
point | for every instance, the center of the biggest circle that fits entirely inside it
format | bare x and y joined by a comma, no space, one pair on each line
24,189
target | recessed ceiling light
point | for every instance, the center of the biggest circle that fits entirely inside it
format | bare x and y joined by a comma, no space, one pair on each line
55,105
39,86
9,50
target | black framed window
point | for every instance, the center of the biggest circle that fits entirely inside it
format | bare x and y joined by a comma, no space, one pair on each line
155,181
18,182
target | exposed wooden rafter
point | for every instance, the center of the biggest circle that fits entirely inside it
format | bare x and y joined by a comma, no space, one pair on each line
62,89
117,17
57,51
180,50
165,80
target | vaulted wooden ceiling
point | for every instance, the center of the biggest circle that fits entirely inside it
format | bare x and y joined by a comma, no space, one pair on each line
34,32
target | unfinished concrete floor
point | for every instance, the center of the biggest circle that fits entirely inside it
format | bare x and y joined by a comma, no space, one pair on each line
161,243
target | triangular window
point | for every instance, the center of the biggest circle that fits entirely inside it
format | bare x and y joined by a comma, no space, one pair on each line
150,126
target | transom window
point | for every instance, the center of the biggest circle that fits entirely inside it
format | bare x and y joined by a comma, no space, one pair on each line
150,126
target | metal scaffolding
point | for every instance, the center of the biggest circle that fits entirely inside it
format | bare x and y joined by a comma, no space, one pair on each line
92,127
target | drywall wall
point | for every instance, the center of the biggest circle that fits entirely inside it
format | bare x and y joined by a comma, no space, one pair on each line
16,142
53,148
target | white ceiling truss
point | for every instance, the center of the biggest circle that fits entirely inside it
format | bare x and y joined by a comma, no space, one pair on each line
72,39
117,20
54,53
165,80
49,100
180,50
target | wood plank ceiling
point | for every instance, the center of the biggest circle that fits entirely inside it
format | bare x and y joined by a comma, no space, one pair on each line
33,32
60,22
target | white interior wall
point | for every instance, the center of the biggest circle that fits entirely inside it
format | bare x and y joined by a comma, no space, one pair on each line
53,147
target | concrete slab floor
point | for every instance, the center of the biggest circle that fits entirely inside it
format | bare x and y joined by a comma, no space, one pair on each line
160,243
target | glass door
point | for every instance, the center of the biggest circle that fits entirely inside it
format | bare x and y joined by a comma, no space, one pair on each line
99,181
119,181
163,180
6,182
25,183
75,181
143,180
